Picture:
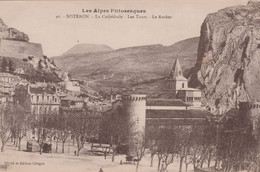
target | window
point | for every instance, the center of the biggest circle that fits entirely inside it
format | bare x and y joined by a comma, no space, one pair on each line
182,85
189,99
37,98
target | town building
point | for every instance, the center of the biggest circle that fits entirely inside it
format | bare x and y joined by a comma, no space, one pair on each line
8,82
142,114
40,100
44,100
70,86
177,85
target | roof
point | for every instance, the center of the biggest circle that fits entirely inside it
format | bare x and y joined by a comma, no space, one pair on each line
192,113
5,74
166,102
41,90
176,72
72,98
190,89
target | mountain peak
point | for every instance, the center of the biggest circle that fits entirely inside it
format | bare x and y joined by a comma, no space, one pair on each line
87,48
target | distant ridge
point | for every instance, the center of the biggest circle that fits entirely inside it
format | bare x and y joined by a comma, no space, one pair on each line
87,48
131,65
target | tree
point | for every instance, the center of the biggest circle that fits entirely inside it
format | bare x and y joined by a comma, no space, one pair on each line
4,65
114,127
42,126
21,123
138,146
168,147
237,145
15,121
63,131
185,145
6,125
10,66
153,135
78,126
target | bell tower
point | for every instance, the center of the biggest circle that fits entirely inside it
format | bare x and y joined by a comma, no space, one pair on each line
176,80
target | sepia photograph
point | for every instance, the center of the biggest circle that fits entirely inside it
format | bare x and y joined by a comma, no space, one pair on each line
130,86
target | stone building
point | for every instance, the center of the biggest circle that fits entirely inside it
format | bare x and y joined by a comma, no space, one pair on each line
41,100
142,114
44,100
8,82
177,85
250,111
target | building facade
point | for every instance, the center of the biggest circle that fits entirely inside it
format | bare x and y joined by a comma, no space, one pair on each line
177,84
44,100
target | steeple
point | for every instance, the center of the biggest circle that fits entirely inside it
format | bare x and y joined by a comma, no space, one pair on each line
176,72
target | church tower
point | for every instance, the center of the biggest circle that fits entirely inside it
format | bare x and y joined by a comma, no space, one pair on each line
176,80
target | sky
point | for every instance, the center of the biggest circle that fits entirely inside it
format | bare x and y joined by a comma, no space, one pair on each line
40,21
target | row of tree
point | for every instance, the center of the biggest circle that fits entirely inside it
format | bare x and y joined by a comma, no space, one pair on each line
16,122
232,145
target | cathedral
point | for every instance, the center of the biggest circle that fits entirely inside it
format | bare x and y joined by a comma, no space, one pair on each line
177,84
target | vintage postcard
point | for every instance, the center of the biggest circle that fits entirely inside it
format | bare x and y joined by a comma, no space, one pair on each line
128,86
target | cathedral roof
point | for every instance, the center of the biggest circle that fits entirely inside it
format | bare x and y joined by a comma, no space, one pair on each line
176,72
166,102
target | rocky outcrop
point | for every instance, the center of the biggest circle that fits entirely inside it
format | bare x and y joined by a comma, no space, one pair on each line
228,60
11,33
16,50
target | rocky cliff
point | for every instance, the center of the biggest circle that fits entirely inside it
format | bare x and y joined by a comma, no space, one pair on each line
228,59
11,33
16,51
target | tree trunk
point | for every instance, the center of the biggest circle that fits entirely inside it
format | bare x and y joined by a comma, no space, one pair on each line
186,167
113,155
40,149
137,165
63,143
2,147
57,145
209,159
181,161
159,164
19,143
151,164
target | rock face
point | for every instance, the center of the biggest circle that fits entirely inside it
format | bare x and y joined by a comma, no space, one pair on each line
11,33
228,60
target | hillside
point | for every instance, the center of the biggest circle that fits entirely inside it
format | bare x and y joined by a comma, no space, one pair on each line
87,48
129,66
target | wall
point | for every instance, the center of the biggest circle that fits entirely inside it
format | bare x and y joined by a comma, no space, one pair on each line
19,49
